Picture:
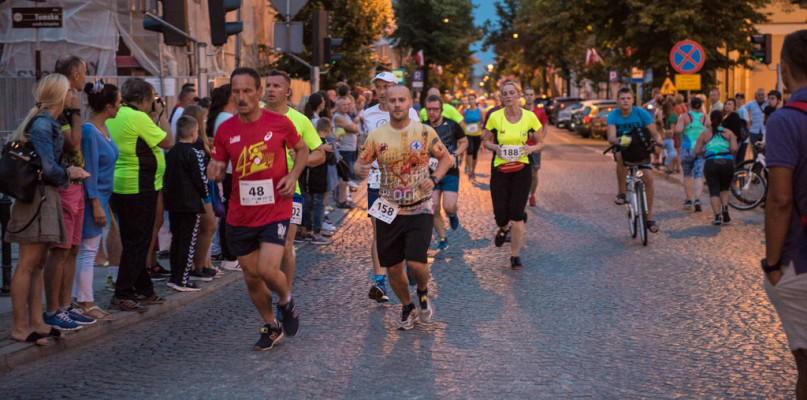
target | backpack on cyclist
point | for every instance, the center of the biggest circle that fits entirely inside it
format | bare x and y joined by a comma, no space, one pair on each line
640,148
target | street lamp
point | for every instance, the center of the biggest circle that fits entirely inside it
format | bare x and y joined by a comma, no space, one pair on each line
515,36
445,20
490,67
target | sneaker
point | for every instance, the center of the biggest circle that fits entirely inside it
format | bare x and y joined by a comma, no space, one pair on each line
159,270
190,287
326,226
454,221
197,275
320,240
270,334
532,201
126,305
110,283
426,313
154,277
209,272
77,315
298,239
408,318
442,244
726,217
61,320
698,206
287,314
515,263
500,237
163,254
326,233
153,299
231,265
717,220
378,294
329,209
688,205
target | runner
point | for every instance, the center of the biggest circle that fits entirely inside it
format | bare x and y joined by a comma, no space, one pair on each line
447,190
535,158
474,116
619,124
278,89
261,202
449,111
506,133
691,125
375,117
402,148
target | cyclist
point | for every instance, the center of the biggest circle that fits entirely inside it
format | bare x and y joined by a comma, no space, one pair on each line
691,125
718,146
506,133
620,122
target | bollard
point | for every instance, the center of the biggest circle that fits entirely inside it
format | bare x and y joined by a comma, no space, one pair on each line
5,215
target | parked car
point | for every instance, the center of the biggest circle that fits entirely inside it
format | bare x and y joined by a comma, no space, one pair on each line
581,120
598,123
557,104
565,115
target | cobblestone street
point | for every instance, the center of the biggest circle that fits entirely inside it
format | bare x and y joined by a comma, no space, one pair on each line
594,314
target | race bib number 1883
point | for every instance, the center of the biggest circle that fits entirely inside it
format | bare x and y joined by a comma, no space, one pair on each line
257,193
383,210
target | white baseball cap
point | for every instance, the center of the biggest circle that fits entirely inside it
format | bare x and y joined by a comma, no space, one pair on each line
386,77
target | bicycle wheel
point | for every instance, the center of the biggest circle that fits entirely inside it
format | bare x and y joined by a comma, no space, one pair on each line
641,212
748,188
632,213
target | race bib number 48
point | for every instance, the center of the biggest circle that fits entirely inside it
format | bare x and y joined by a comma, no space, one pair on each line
383,210
511,153
257,193
297,213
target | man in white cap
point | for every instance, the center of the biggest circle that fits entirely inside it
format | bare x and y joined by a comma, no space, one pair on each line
374,117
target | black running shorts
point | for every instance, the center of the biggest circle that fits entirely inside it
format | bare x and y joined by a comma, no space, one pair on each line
406,238
243,240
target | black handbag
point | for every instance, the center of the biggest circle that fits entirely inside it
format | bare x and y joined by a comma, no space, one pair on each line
343,170
20,171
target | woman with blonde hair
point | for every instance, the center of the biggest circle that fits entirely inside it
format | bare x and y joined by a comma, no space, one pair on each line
38,224
203,266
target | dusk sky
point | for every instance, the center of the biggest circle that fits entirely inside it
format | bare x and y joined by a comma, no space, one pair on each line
484,10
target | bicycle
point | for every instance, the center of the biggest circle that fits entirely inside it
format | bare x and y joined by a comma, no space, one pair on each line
749,185
635,196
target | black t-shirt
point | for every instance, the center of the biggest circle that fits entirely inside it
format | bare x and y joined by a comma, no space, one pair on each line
734,123
450,133
768,111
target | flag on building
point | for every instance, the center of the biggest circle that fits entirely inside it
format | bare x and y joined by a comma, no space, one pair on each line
419,58
592,57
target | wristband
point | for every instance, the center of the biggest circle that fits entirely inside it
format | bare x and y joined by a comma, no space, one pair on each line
770,268
434,179
69,112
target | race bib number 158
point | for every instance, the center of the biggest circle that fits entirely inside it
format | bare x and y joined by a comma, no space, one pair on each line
383,210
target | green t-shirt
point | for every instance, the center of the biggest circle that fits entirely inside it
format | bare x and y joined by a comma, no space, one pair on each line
307,131
141,163
448,112
508,134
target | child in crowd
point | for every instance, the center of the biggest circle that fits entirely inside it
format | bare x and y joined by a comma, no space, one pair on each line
184,188
314,184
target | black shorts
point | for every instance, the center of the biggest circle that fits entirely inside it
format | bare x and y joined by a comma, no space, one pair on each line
509,193
242,240
474,143
406,238
718,173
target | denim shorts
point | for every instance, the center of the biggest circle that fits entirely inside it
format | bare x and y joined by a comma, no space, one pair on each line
669,146
691,164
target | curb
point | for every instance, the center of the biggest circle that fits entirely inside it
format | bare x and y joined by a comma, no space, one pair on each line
17,353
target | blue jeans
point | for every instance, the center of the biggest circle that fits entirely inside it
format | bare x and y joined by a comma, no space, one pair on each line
313,208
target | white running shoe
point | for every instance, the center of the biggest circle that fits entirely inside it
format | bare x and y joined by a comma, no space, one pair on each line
230,265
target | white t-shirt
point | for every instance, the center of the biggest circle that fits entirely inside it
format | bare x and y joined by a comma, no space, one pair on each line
223,116
177,114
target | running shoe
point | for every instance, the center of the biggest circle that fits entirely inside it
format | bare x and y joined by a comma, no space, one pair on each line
159,270
717,220
515,263
197,275
287,314
329,209
442,244
454,221
209,272
726,217
126,305
231,265
426,309
326,226
532,201
501,236
270,334
408,317
77,315
698,206
61,320
154,276
190,287
320,240
688,205
378,294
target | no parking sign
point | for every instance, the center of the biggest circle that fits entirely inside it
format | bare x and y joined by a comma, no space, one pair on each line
687,57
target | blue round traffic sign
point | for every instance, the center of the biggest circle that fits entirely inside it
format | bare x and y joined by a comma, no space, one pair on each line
687,57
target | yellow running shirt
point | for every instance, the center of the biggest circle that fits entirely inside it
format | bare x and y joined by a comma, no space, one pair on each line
508,134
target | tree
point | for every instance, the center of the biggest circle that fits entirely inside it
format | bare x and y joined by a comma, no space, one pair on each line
443,30
360,23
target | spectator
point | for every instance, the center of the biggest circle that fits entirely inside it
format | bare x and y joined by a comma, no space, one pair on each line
785,265
314,184
138,181
185,190
756,115
187,96
313,107
774,99
100,156
38,224
347,142
714,100
665,122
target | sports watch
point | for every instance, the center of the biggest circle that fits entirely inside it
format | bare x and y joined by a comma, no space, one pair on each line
770,268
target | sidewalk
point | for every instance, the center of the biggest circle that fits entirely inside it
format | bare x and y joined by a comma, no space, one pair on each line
13,353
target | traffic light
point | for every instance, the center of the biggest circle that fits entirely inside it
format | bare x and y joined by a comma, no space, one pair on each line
762,51
329,45
319,22
220,29
173,12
